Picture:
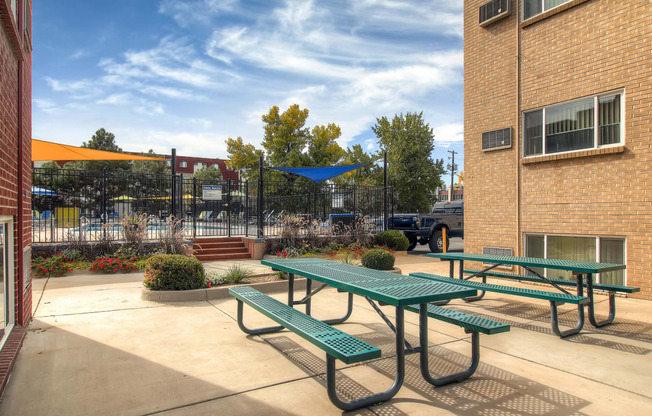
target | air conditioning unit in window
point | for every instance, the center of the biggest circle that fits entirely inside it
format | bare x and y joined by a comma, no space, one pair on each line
497,139
494,10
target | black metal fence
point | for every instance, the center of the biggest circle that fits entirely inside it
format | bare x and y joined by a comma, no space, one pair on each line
75,204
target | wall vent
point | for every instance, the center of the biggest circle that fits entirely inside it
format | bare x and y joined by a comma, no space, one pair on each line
497,251
494,10
497,139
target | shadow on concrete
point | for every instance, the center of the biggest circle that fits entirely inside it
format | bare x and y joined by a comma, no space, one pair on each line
630,330
62,373
490,391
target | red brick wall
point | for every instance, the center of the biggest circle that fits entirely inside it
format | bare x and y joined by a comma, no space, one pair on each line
14,57
585,48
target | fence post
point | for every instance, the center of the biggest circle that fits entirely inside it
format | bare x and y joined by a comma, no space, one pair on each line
246,214
228,206
173,190
385,193
261,199
194,207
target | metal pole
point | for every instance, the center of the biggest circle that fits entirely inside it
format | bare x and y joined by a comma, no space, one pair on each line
246,214
385,192
228,205
453,152
194,207
174,175
261,200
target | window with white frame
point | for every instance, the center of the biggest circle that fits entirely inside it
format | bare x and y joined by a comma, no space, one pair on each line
532,8
183,164
572,125
563,247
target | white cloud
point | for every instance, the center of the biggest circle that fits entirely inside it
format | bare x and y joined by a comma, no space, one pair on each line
370,144
447,133
202,11
47,106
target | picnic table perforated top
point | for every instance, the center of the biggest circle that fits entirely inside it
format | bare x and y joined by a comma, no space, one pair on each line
569,265
391,288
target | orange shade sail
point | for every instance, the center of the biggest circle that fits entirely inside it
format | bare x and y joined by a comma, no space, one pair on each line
42,150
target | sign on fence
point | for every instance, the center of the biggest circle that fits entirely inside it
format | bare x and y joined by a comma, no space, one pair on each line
211,192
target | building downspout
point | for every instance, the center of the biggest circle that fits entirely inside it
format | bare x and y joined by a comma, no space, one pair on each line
519,245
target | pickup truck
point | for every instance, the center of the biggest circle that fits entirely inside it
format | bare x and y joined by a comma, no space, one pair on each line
427,228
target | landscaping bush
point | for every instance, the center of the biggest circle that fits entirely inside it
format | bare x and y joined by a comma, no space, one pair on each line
174,272
393,239
236,273
378,259
113,265
51,266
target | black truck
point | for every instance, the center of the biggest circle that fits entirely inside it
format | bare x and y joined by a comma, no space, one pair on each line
427,228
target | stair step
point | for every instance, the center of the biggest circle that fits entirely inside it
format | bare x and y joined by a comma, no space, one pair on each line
229,244
223,250
217,240
206,257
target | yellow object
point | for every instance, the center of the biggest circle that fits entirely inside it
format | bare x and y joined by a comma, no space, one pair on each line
67,216
42,150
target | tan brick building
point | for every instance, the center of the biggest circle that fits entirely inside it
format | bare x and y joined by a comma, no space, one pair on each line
558,131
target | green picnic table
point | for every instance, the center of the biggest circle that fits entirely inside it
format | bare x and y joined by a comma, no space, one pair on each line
582,270
402,292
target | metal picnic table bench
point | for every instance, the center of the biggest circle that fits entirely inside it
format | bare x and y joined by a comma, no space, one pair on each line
582,270
402,292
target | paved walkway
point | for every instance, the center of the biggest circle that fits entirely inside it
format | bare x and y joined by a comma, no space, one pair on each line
96,348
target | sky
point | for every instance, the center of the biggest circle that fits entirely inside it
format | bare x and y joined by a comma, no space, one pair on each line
188,74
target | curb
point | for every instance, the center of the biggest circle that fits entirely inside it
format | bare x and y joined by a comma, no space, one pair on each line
221,292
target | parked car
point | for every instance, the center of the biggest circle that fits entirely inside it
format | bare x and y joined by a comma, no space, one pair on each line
428,228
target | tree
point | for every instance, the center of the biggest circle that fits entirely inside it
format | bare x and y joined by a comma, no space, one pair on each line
244,158
149,166
323,148
286,137
208,173
367,175
101,140
411,171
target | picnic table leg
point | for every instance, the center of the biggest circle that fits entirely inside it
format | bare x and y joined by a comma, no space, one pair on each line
481,293
451,378
258,331
554,319
349,309
451,274
591,308
290,289
374,398
308,298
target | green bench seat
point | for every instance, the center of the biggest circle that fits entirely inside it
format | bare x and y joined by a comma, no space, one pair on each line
553,297
561,282
471,323
538,294
334,342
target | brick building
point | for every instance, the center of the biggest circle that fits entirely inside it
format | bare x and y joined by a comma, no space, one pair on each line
187,165
15,179
558,131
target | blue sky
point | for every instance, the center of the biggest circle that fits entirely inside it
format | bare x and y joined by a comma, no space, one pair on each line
191,73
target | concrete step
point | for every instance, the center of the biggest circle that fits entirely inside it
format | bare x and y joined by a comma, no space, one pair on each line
229,256
235,250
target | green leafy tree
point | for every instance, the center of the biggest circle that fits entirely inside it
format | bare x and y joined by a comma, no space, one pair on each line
323,148
101,140
243,158
411,171
369,175
286,136
149,166
208,173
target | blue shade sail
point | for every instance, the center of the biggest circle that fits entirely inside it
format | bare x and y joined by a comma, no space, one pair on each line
319,174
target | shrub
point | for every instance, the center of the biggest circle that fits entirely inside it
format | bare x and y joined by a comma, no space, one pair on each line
134,227
174,272
51,266
236,273
378,259
393,239
171,239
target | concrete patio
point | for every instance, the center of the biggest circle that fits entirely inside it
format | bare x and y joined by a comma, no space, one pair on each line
96,348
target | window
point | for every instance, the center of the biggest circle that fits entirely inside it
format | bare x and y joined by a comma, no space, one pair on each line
572,126
183,164
602,249
497,139
28,23
534,7
7,271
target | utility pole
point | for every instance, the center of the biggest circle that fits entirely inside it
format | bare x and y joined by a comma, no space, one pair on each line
452,168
